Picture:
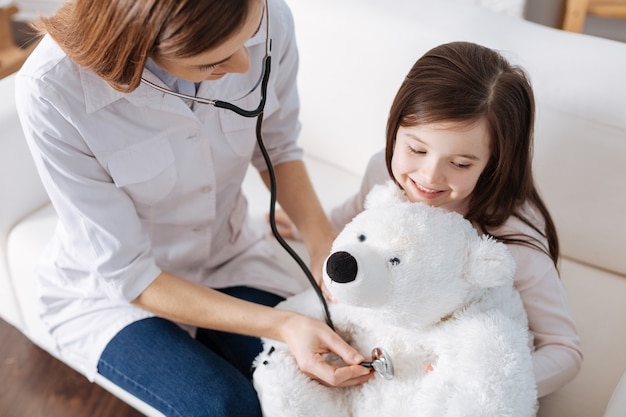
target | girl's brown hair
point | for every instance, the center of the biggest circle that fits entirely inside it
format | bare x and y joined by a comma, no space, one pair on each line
464,82
114,38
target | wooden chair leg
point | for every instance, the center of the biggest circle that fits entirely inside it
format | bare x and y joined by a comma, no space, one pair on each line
11,56
608,8
575,14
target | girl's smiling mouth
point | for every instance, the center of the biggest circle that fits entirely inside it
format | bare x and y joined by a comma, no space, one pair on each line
426,192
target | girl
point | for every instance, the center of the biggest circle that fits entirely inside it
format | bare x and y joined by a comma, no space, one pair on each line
153,240
459,136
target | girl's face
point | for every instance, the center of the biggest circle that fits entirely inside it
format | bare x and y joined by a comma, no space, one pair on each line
439,163
229,57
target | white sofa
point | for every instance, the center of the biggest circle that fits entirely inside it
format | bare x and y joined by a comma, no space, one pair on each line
354,54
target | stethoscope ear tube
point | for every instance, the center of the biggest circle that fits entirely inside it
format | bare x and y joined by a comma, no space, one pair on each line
258,112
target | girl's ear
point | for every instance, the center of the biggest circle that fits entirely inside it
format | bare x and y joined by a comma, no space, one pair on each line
489,264
383,195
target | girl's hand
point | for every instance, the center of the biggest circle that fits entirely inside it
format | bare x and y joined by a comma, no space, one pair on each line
308,339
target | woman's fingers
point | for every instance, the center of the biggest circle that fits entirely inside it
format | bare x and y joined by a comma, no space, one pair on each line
284,225
339,376
309,340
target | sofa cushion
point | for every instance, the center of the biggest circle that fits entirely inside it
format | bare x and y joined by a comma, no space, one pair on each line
26,242
580,170
617,403
596,301
349,76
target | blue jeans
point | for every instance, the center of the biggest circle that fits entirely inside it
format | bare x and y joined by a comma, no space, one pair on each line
160,363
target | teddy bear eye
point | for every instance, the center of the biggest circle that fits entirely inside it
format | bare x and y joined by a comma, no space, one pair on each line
361,238
394,261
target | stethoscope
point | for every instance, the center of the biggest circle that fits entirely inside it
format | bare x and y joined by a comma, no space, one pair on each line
381,361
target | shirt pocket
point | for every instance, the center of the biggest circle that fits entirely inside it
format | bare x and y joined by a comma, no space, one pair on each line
146,171
237,218
240,130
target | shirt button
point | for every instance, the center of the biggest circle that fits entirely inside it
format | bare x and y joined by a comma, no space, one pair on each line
193,135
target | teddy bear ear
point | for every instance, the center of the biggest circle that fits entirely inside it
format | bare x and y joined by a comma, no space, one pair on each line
383,195
490,264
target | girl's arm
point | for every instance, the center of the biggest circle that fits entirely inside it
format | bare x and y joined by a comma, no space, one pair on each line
557,357
376,173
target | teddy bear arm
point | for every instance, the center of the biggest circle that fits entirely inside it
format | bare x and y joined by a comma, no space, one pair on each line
486,365
284,391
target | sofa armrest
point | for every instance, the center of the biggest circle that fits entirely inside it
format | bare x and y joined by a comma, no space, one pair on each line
20,188
617,404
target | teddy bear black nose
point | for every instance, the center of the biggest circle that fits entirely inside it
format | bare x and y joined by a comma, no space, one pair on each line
341,267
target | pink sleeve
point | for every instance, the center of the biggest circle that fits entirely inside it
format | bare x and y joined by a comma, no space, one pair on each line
557,357
375,173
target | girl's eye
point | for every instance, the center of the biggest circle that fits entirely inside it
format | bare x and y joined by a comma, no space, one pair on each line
462,166
416,151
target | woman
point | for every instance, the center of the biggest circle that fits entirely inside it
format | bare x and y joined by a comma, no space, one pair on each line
153,239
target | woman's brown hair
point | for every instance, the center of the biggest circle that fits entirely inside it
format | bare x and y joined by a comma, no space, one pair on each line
464,82
114,38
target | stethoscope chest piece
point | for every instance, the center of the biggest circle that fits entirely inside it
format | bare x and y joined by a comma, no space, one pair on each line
381,362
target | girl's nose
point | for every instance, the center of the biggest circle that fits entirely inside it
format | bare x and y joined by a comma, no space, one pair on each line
433,172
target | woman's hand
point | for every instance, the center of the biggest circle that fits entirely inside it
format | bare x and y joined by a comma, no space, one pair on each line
317,267
288,230
308,339
295,194
284,225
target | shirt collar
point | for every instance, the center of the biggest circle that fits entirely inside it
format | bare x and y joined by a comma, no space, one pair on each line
98,93
168,79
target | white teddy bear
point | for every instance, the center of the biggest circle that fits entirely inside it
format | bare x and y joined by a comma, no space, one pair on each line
420,283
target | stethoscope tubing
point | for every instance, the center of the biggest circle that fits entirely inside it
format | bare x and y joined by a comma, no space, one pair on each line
272,179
